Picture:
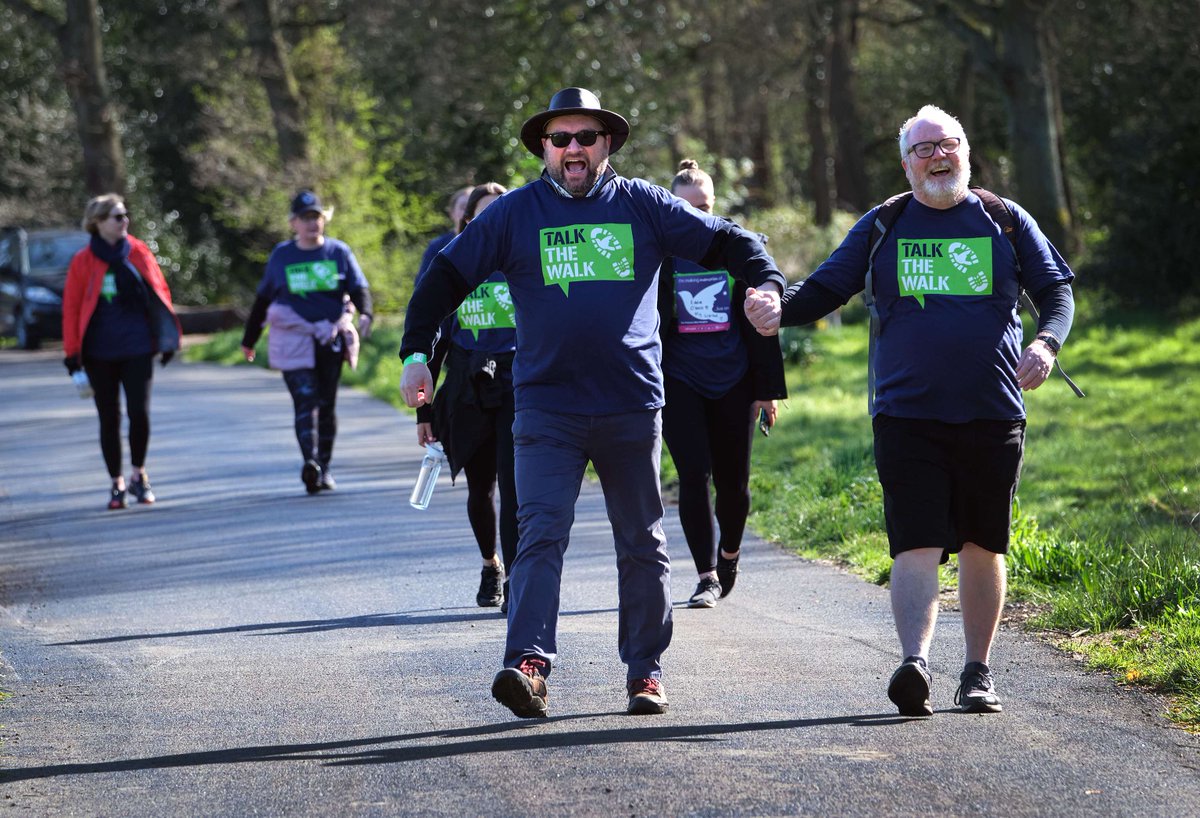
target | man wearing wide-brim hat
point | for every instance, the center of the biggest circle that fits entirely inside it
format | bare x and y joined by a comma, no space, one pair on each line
581,247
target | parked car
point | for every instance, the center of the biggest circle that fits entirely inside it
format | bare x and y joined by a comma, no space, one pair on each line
33,271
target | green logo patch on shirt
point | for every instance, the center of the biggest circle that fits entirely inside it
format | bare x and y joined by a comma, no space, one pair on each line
490,306
108,288
944,267
586,252
312,276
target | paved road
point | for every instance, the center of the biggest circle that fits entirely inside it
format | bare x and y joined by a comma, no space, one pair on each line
243,649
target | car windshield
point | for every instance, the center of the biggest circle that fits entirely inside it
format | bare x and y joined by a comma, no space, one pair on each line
54,252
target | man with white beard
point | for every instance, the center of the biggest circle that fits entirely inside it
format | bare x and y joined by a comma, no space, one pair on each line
948,415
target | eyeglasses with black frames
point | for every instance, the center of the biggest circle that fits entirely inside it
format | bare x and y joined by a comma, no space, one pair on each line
118,217
561,139
924,150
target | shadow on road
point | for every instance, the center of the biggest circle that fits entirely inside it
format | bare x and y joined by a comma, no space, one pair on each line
440,617
491,738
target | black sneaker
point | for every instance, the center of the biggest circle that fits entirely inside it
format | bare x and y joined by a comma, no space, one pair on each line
311,476
326,483
522,689
727,571
909,688
976,692
116,499
139,487
647,697
707,592
491,587
504,604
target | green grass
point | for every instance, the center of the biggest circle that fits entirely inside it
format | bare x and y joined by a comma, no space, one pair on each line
1105,541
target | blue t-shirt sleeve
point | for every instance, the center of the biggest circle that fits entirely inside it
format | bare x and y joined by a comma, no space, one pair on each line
355,279
844,273
478,251
271,284
1041,263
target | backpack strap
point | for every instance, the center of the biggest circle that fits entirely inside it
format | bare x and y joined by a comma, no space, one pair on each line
1003,217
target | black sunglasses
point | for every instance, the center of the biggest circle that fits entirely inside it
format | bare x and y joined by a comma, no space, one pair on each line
560,139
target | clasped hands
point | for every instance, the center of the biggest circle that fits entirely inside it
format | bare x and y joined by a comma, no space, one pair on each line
763,309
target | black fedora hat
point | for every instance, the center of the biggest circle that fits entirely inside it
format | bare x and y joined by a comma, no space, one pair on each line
574,101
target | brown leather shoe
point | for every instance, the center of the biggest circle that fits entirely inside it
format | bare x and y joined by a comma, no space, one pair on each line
647,697
522,689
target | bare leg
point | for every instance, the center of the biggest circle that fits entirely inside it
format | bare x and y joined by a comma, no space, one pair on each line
915,599
982,578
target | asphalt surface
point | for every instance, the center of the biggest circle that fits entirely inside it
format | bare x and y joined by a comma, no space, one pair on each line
241,648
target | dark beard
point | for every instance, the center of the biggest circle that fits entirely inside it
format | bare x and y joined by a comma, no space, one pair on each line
559,175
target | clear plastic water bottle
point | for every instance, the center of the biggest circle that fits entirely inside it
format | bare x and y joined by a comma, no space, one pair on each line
431,467
82,383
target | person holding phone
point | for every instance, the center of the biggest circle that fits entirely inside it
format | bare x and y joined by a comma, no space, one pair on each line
721,378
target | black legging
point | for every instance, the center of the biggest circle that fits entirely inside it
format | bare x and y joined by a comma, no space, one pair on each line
314,397
709,439
492,466
108,377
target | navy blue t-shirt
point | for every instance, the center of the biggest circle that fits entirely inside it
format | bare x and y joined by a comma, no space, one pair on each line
312,282
705,349
583,274
119,329
946,287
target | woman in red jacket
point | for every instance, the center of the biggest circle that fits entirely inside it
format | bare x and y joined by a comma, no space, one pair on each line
117,314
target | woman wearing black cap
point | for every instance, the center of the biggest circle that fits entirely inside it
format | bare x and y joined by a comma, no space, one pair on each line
303,295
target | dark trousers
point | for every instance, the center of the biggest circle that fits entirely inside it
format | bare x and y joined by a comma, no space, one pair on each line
553,450
314,396
490,467
709,440
108,378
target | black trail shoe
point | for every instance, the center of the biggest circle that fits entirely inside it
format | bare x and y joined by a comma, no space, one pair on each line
491,587
707,592
647,697
727,571
310,475
976,692
909,688
116,499
522,689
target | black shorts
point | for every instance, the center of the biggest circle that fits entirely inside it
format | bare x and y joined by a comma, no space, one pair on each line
946,484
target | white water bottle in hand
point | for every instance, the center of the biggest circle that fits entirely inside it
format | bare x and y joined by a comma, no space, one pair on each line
431,467
82,383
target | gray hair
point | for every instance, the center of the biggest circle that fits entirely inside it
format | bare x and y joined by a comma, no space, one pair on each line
927,112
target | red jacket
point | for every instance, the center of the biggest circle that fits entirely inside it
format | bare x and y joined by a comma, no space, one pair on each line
84,279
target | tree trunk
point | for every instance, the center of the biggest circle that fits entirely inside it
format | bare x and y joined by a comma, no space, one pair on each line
283,94
820,160
1033,124
850,168
816,112
761,183
87,85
